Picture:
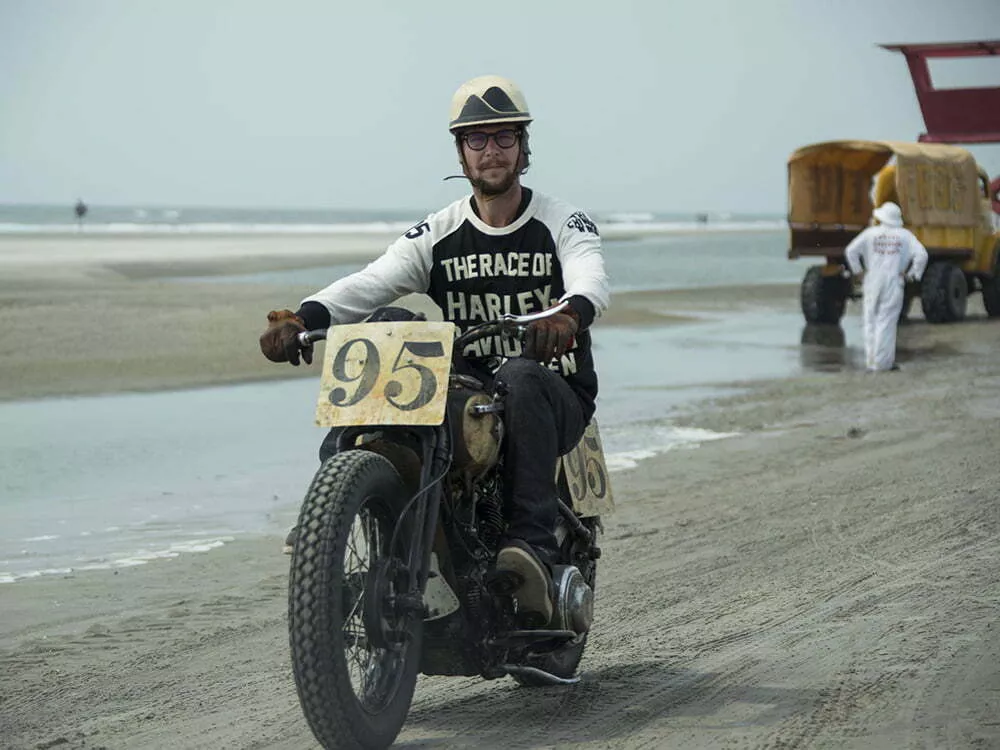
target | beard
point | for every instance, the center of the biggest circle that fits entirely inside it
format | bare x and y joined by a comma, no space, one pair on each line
495,186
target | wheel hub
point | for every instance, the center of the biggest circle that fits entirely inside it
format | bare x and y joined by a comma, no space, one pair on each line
383,610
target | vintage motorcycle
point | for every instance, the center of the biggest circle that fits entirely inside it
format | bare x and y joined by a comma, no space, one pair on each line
392,572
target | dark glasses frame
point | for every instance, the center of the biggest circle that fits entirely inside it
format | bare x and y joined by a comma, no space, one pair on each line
477,140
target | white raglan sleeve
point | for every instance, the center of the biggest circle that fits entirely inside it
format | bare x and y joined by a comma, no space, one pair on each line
404,268
855,249
578,246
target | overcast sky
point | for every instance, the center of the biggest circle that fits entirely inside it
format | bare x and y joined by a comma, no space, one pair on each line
665,105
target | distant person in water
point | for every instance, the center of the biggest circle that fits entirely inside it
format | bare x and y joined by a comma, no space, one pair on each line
80,209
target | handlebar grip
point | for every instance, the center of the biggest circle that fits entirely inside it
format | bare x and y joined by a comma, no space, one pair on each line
306,338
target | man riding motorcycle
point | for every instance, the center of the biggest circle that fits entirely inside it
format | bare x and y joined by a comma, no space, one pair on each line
502,249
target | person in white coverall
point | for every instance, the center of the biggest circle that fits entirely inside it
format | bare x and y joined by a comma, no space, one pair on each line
891,256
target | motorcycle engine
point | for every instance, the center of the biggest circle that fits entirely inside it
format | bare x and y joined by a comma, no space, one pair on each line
574,608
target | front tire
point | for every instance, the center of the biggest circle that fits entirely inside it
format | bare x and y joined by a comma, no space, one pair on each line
355,657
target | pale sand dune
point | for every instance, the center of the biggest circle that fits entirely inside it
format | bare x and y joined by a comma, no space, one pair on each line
94,250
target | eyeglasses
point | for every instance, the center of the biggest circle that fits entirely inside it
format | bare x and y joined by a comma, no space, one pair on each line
478,140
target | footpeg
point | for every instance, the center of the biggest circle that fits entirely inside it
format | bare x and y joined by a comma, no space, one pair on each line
548,677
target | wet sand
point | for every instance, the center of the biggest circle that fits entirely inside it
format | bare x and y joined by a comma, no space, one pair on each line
827,578
82,316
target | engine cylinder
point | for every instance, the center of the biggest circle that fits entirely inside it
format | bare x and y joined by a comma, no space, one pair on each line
475,437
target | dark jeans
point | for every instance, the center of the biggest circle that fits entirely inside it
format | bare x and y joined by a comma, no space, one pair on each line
543,419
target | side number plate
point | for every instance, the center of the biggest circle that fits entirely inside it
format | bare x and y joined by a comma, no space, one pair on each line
587,475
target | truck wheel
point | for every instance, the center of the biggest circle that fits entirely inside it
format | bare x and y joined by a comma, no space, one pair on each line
991,291
823,297
908,294
944,293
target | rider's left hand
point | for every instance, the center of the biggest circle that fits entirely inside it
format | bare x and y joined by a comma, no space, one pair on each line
549,338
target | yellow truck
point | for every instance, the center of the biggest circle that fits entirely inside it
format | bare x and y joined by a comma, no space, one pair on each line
946,201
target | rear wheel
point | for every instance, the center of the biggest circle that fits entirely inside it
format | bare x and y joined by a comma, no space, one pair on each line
909,292
823,298
564,661
991,289
944,293
355,643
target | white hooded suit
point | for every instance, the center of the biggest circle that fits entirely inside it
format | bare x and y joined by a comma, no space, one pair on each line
887,251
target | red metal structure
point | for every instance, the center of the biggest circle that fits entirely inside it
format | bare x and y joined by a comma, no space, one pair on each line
969,115
955,115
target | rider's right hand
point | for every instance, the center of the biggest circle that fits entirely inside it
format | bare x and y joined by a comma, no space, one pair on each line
280,342
550,337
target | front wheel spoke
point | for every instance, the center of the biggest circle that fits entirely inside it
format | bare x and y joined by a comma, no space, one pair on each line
355,613
357,557
367,666
357,669
357,635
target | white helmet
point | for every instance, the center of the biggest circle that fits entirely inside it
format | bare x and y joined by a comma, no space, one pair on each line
889,214
488,100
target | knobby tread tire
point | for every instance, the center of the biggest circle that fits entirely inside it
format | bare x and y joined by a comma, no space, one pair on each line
823,298
315,603
991,288
944,293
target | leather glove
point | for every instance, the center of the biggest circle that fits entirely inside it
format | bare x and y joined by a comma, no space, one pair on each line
549,338
280,343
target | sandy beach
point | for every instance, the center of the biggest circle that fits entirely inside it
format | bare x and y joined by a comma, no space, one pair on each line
825,578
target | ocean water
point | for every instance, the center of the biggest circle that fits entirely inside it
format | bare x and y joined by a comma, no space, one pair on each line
118,220
48,219
85,485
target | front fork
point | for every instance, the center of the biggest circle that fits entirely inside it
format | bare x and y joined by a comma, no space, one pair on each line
423,507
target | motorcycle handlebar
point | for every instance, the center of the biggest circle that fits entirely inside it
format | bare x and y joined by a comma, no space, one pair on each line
508,323
306,338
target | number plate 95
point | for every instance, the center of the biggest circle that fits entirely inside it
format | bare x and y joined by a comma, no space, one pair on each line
385,373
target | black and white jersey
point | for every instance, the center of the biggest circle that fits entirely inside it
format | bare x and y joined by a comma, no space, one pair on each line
475,272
